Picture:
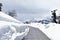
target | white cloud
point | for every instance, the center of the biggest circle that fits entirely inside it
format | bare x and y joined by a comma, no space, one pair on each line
34,3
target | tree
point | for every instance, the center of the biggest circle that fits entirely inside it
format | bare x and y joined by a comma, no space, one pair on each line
0,6
54,16
12,13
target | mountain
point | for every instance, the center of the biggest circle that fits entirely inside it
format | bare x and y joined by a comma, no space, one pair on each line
44,20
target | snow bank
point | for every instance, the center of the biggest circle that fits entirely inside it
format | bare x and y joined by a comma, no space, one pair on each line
10,31
5,17
51,29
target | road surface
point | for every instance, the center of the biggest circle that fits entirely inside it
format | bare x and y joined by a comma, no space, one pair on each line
35,34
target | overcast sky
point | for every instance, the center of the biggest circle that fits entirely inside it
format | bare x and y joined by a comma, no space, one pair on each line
31,6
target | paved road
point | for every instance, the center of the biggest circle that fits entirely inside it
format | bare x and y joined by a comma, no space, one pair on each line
35,34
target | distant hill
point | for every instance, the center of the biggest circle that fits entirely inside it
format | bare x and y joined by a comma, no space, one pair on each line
45,20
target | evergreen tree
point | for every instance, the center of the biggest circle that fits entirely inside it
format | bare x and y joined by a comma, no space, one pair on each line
0,6
12,13
54,16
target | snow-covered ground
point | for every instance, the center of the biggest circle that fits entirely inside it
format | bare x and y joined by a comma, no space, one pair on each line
51,29
9,31
5,17
9,28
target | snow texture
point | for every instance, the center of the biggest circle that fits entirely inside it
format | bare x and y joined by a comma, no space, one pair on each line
9,28
5,17
10,32
51,29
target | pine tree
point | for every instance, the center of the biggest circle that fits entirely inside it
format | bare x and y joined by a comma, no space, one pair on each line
0,6
12,13
54,16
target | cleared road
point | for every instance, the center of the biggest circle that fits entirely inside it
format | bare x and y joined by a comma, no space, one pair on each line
35,34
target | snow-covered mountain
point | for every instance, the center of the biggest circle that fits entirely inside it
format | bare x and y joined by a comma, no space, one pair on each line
44,20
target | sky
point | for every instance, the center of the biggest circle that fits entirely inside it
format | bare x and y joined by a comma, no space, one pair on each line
42,7
32,4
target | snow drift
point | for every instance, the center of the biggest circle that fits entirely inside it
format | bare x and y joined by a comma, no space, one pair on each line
51,29
11,29
10,32
5,17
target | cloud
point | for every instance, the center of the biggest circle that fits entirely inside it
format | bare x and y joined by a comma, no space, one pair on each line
30,4
33,3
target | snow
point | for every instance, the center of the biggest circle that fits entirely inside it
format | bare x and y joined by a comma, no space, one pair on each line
51,29
10,32
5,17
9,28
